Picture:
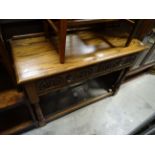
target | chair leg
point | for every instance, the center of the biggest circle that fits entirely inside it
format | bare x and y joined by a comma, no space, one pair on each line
133,32
62,39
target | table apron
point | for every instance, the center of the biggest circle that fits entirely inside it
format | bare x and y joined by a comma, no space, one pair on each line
59,81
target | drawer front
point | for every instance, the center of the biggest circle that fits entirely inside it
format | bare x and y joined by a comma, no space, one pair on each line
82,74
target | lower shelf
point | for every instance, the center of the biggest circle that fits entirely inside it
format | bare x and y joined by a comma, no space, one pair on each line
76,107
62,102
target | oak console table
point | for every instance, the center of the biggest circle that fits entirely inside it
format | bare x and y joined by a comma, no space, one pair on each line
39,71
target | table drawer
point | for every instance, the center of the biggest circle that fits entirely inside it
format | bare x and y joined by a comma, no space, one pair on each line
82,74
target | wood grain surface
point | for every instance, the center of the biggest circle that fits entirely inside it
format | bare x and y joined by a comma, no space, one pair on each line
10,97
36,57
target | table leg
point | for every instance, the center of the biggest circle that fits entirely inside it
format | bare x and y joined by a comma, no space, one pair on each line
119,80
32,113
34,99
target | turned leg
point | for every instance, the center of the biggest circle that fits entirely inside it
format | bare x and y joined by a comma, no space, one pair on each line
34,99
119,80
31,113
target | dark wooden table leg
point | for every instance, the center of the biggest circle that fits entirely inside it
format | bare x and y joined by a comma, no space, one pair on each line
120,79
32,113
34,99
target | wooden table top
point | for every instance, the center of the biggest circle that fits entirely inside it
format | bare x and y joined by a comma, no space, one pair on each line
36,57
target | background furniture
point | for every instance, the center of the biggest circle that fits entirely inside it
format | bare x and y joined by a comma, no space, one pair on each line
16,114
147,58
61,27
145,128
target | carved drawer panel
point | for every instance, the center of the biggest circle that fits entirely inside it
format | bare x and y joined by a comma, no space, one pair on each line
82,74
65,79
